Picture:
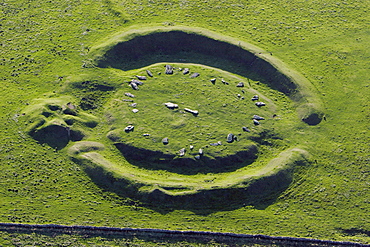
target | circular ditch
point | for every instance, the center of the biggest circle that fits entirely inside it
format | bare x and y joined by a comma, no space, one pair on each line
214,137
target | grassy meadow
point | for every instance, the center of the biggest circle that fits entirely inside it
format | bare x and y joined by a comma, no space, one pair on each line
45,45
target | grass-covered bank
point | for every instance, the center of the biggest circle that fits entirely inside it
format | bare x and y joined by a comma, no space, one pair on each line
326,42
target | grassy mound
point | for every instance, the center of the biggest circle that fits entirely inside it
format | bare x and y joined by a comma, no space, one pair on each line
56,121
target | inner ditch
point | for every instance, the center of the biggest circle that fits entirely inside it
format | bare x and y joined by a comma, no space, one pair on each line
183,47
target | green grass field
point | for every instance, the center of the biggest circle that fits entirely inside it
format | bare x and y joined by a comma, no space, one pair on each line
46,53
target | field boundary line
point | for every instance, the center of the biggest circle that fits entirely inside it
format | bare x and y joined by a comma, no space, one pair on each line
171,234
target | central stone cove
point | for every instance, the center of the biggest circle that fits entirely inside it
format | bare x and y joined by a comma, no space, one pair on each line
191,119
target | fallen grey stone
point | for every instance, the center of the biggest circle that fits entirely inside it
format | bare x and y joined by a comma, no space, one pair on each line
165,141
135,110
213,80
259,104
129,128
256,122
137,82
224,82
186,71
182,152
194,112
246,129
240,84
171,105
258,117
169,69
255,97
133,104
149,73
130,95
194,75
141,77
197,157
134,86
146,134
230,138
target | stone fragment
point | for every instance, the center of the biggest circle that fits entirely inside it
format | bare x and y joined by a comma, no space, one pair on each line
200,151
141,77
135,110
182,152
194,75
256,122
146,134
224,82
191,147
219,143
197,157
255,97
186,71
170,105
230,138
169,69
165,141
258,117
240,84
150,74
259,104
194,112
130,95
246,129
213,80
133,104
71,106
129,128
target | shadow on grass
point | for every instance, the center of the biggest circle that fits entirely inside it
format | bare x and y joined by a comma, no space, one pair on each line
25,234
56,136
155,160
